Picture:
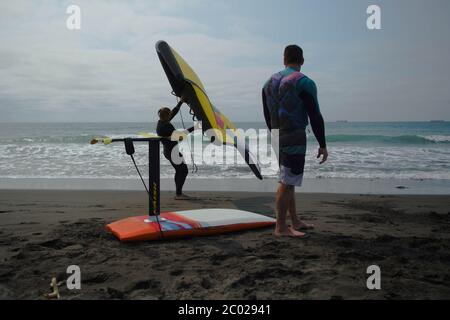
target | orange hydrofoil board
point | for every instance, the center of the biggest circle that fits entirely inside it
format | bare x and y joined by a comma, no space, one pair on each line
187,223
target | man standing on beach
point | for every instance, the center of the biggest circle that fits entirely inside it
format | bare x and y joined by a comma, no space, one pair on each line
289,99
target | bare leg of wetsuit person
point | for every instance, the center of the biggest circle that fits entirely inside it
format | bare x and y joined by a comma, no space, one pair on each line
181,172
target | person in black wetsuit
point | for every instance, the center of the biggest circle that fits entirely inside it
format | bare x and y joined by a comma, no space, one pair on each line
170,146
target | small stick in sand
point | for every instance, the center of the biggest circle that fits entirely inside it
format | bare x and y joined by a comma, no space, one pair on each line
55,294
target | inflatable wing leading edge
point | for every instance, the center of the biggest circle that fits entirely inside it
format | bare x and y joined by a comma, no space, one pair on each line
186,83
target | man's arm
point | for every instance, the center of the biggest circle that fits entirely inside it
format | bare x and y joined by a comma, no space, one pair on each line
266,111
309,96
315,118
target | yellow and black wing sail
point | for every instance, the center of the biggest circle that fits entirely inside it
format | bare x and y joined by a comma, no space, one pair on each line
185,82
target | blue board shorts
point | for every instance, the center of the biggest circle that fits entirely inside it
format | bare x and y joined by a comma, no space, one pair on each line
291,169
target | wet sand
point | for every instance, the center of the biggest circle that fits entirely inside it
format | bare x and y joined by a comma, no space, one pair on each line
43,232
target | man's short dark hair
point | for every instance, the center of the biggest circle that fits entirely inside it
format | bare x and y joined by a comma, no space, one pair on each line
293,54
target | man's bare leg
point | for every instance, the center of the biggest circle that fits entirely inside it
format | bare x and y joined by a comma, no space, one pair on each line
283,199
297,224
293,211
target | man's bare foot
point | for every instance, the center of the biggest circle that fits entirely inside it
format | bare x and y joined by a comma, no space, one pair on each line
302,226
289,232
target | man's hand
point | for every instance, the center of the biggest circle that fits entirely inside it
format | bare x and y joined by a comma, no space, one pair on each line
324,153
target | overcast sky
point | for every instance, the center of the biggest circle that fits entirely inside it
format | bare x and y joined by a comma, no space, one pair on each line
109,71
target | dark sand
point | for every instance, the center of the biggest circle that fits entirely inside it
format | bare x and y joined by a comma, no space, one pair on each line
43,232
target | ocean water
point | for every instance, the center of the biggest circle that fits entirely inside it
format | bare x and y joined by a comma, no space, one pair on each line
394,150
